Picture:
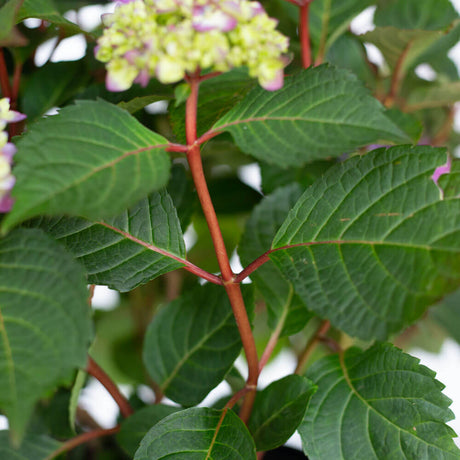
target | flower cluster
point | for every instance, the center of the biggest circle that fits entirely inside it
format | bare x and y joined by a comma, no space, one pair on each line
171,38
7,150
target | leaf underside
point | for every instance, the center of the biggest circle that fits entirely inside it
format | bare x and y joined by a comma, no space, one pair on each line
111,258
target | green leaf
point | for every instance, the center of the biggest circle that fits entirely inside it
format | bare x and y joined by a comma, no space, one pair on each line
372,244
183,194
415,14
376,404
447,314
7,18
450,183
320,112
191,344
434,95
93,160
330,18
217,96
198,433
46,10
138,103
44,321
407,122
278,411
77,386
274,177
134,428
51,86
33,447
266,219
121,252
401,48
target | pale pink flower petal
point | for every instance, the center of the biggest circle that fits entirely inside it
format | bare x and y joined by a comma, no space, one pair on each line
8,151
276,83
441,170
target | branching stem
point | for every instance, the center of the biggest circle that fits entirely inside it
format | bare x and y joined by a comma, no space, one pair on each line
82,439
99,374
233,288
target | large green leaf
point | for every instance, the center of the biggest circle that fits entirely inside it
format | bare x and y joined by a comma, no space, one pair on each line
373,244
320,112
121,252
377,404
415,14
330,18
278,411
134,428
282,303
435,95
46,10
192,343
33,447
93,160
45,325
198,434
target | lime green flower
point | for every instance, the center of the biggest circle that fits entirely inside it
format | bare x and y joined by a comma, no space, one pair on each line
169,39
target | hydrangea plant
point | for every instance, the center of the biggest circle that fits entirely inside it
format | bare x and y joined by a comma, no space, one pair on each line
350,248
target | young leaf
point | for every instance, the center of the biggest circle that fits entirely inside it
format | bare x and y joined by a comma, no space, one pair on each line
320,112
198,433
33,447
415,14
93,160
278,411
281,300
191,344
380,403
134,428
330,18
122,252
44,321
372,244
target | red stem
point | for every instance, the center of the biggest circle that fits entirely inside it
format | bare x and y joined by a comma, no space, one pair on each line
304,34
82,439
233,289
4,78
99,374
188,265
254,265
